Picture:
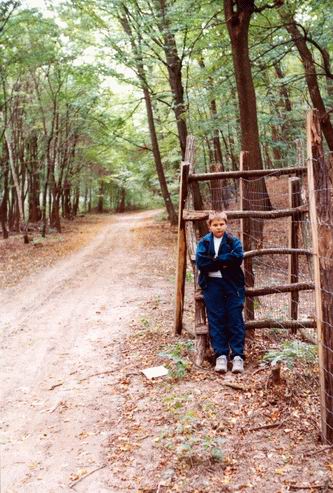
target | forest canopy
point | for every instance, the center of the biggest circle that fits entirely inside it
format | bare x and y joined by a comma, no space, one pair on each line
97,97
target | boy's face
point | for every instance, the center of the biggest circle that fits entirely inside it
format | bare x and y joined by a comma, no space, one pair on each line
218,227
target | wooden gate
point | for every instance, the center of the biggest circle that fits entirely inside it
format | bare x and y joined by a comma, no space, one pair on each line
317,174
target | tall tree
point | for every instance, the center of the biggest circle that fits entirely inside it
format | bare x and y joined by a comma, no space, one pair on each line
136,44
238,14
301,39
174,65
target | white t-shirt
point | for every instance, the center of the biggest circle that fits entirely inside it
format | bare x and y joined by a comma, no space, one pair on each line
217,243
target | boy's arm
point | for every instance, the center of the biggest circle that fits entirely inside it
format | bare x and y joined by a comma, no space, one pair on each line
205,262
234,258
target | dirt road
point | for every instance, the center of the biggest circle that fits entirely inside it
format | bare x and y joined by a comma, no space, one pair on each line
78,415
62,331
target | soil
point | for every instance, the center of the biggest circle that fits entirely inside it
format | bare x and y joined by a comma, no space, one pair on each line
78,327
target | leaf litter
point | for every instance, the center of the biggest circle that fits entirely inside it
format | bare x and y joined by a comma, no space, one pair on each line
193,430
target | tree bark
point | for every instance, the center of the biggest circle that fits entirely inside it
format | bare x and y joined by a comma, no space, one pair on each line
283,89
311,77
33,181
238,15
100,203
136,48
66,194
20,204
174,67
4,201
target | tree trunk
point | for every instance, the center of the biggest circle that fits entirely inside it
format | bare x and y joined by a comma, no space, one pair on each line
283,89
122,197
76,201
237,15
174,67
90,199
4,201
33,181
136,47
67,206
55,212
311,77
218,157
100,203
20,203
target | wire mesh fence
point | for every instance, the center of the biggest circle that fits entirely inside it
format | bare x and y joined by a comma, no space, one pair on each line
274,270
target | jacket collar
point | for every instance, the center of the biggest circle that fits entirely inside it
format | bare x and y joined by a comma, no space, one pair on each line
210,237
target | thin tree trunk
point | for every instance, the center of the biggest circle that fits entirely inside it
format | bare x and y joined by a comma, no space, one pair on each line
100,203
18,189
122,197
311,77
4,201
136,47
174,67
76,201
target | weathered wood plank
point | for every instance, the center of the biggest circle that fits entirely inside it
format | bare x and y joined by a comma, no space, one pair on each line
246,173
321,217
271,324
282,288
277,251
181,251
281,324
294,187
190,215
245,231
273,251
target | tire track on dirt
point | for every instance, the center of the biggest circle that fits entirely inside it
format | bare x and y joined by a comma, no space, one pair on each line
54,420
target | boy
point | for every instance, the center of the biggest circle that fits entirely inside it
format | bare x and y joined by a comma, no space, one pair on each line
219,256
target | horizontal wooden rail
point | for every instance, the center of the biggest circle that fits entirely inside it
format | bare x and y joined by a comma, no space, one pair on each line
283,288
255,173
268,324
190,215
279,324
272,251
276,251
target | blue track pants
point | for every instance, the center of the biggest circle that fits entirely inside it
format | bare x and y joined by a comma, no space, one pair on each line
224,306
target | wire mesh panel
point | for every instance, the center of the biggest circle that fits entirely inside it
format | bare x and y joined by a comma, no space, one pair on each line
292,253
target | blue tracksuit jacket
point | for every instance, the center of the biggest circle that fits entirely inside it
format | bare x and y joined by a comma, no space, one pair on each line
229,260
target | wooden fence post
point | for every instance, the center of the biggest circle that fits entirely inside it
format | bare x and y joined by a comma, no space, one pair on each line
246,239
195,199
200,322
321,216
181,250
294,201
216,189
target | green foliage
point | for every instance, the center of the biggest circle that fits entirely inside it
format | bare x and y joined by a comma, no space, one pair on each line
177,353
185,439
292,351
76,63
189,276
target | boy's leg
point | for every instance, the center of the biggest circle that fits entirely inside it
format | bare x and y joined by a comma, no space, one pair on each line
235,324
216,313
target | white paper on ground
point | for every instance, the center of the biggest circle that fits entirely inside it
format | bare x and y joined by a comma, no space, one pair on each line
155,371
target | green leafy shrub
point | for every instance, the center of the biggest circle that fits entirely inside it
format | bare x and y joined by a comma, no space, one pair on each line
177,354
290,352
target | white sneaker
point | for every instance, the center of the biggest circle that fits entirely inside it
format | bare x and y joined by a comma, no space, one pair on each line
221,364
237,365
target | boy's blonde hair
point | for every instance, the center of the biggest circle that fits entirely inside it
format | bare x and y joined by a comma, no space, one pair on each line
217,215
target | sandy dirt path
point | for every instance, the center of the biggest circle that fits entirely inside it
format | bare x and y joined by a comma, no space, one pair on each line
61,335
